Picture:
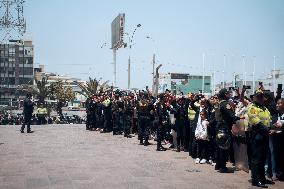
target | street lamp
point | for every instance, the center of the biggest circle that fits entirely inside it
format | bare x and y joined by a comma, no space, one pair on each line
130,40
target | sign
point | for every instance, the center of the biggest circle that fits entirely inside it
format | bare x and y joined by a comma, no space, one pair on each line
117,31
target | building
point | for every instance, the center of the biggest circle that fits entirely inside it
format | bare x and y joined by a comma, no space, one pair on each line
184,83
68,81
271,81
16,68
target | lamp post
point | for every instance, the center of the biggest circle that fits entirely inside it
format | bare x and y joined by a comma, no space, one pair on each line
274,65
153,65
130,41
203,71
245,73
223,73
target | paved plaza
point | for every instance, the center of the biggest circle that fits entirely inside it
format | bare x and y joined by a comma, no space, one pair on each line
68,156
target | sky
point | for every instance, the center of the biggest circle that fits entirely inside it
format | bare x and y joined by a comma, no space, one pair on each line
68,36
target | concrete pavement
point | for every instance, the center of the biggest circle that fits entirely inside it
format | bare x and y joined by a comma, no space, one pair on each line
68,156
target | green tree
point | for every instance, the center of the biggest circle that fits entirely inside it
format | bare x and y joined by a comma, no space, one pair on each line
63,93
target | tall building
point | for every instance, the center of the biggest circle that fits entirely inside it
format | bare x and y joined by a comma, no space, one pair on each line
16,68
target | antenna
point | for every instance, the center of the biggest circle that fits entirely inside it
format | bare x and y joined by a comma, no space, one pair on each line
12,21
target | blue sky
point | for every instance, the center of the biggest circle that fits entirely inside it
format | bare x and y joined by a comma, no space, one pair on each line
68,36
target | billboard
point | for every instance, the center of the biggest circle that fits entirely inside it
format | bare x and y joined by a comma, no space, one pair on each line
117,31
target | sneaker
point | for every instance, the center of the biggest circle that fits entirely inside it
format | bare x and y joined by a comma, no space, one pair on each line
197,160
203,161
210,161
213,164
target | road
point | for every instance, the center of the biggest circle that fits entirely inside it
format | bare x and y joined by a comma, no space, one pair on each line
68,156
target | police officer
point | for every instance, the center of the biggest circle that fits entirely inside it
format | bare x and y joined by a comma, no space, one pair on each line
107,104
118,108
92,109
163,118
41,114
144,110
27,112
128,116
259,120
88,111
225,117
99,113
192,118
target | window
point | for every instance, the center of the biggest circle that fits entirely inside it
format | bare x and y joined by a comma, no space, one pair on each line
25,80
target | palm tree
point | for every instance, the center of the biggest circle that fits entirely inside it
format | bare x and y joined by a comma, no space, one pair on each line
40,90
92,87
43,89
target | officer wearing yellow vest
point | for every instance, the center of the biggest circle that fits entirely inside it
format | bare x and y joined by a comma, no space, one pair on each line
192,122
259,120
41,114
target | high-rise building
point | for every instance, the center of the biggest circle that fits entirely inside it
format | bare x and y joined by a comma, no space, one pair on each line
16,68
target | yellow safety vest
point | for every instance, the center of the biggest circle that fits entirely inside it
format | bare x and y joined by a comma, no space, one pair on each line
258,115
191,113
41,111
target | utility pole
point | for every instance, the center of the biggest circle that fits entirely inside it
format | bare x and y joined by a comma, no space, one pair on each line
129,72
114,67
155,93
274,65
203,68
245,73
253,75
224,65
153,62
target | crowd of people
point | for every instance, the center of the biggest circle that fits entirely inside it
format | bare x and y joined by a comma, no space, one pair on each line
39,116
247,131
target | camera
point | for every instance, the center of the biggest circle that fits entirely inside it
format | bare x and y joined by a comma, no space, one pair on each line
232,88
246,87
279,87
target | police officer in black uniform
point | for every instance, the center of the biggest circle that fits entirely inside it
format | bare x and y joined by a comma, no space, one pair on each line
144,110
128,116
88,111
118,108
27,112
99,113
92,109
225,117
164,121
